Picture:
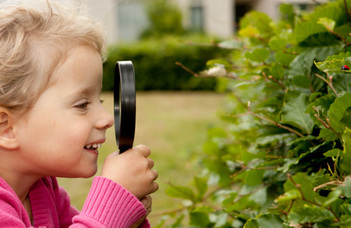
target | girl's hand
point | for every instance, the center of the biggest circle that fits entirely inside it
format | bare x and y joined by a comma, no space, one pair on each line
147,202
133,170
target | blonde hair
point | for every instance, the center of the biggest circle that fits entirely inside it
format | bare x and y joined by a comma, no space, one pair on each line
33,40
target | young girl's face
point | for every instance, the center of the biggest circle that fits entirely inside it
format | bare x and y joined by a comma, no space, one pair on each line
61,133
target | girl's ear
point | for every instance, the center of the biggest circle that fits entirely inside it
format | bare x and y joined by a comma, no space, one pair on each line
7,135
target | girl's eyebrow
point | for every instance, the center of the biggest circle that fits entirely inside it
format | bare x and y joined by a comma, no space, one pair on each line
84,91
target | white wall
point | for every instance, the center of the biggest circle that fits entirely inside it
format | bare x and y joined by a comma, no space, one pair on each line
219,17
105,12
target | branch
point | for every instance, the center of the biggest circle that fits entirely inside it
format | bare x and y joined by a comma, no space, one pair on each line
228,75
326,184
329,83
298,186
326,124
270,77
275,123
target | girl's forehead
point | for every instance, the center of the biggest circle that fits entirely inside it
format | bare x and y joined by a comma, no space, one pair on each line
79,62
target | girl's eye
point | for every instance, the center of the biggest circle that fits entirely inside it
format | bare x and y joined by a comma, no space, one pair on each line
82,105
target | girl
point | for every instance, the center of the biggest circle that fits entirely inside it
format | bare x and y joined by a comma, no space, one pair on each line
52,123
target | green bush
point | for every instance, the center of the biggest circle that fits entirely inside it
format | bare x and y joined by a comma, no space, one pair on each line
165,19
155,64
285,160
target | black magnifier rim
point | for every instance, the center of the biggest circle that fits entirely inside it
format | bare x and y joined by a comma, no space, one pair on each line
124,104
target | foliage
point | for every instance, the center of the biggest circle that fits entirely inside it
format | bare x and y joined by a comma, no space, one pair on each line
285,159
165,19
155,63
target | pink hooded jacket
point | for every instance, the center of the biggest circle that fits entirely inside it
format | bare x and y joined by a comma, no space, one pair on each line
108,205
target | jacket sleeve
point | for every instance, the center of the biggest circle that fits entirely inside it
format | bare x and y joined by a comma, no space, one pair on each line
109,205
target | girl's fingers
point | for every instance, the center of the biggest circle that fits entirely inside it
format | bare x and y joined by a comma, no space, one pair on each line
151,163
155,187
147,202
144,150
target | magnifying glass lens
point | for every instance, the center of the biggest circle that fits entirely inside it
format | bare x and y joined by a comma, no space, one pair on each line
124,105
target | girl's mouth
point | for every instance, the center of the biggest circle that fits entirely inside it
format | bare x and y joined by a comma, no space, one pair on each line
94,146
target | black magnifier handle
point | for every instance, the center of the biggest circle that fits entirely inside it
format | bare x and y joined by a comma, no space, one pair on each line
124,104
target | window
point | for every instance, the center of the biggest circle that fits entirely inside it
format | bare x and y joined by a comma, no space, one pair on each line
197,18
132,20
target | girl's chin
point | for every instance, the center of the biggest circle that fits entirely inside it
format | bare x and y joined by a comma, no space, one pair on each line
87,173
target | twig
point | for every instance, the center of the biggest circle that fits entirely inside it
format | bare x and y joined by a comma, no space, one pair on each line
281,210
187,69
270,77
236,116
326,184
275,123
298,186
326,124
228,75
329,83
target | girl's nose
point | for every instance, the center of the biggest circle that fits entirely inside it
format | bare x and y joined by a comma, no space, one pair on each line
105,120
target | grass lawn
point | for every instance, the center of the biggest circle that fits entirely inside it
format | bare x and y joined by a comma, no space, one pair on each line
174,125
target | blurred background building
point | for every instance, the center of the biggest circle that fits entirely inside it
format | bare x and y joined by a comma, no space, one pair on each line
126,19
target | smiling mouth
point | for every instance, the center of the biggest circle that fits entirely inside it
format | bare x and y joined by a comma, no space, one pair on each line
94,146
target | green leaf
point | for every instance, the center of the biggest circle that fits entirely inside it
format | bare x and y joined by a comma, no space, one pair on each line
258,55
320,108
251,223
278,71
180,192
345,161
199,219
332,197
204,209
301,81
201,186
265,221
253,177
259,196
289,195
277,43
343,30
303,63
333,63
307,28
346,188
342,82
339,112
333,11
257,20
293,111
231,44
333,153
306,186
288,162
328,23
307,213
327,135
284,58
286,8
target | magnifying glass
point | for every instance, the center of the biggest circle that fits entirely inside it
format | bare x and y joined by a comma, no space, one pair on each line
124,104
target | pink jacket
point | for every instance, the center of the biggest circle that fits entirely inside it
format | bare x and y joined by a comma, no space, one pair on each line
108,205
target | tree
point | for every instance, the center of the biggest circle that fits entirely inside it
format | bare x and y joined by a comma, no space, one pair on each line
165,19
